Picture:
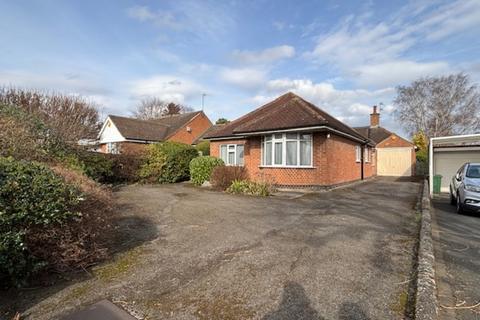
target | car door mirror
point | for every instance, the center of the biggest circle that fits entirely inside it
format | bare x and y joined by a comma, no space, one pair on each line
458,177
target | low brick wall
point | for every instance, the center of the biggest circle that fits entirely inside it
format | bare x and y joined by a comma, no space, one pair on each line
426,295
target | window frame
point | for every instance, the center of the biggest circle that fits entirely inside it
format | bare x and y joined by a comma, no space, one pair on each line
113,148
366,154
358,153
282,141
235,153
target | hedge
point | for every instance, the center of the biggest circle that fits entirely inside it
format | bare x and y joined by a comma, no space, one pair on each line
223,176
203,148
31,196
201,168
167,162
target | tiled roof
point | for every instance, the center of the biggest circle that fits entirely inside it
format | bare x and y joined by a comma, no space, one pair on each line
209,131
151,130
377,134
289,111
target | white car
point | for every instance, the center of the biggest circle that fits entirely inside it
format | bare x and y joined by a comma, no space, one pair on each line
465,188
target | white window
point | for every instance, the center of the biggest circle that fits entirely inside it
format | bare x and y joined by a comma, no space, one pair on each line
366,154
113,148
287,150
232,154
358,153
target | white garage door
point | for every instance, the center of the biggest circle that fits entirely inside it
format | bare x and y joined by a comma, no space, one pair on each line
394,161
446,163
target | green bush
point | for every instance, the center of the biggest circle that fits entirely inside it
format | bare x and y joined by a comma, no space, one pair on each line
97,166
31,195
251,187
203,148
201,168
167,162
125,167
223,176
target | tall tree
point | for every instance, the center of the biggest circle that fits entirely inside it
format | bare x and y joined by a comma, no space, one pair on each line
70,117
222,121
439,106
154,108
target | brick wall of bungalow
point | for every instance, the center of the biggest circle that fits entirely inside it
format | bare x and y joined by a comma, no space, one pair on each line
334,162
198,125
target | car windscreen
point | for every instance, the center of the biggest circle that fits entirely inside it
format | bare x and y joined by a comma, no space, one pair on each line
473,171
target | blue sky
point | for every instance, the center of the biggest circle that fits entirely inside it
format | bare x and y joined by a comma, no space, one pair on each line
342,56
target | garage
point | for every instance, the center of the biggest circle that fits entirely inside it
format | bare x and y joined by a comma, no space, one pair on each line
448,154
394,161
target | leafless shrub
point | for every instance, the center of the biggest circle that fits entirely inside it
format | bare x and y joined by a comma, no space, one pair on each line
17,140
223,176
69,116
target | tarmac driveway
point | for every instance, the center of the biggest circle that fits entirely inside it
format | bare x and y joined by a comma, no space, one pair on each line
194,253
457,259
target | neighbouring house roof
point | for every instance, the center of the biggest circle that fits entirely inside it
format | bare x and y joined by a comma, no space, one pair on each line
151,130
207,132
288,111
377,134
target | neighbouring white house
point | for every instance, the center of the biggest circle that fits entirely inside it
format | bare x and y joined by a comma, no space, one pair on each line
130,135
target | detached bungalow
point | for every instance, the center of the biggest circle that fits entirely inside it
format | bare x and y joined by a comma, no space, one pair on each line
129,135
294,143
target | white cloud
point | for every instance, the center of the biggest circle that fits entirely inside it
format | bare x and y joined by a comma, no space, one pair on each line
159,18
452,18
141,13
247,78
398,71
351,106
166,87
70,83
281,25
265,56
361,50
201,19
88,85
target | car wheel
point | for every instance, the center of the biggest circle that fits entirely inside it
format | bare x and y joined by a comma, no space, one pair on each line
453,201
459,205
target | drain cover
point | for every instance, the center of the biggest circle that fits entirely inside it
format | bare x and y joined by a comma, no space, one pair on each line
102,310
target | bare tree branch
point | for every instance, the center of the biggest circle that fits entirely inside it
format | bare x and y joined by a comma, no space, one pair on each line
439,106
153,108
71,117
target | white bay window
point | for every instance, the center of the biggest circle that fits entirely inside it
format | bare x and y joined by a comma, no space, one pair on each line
287,150
232,154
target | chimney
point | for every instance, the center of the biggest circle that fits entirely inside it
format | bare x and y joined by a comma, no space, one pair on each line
374,118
